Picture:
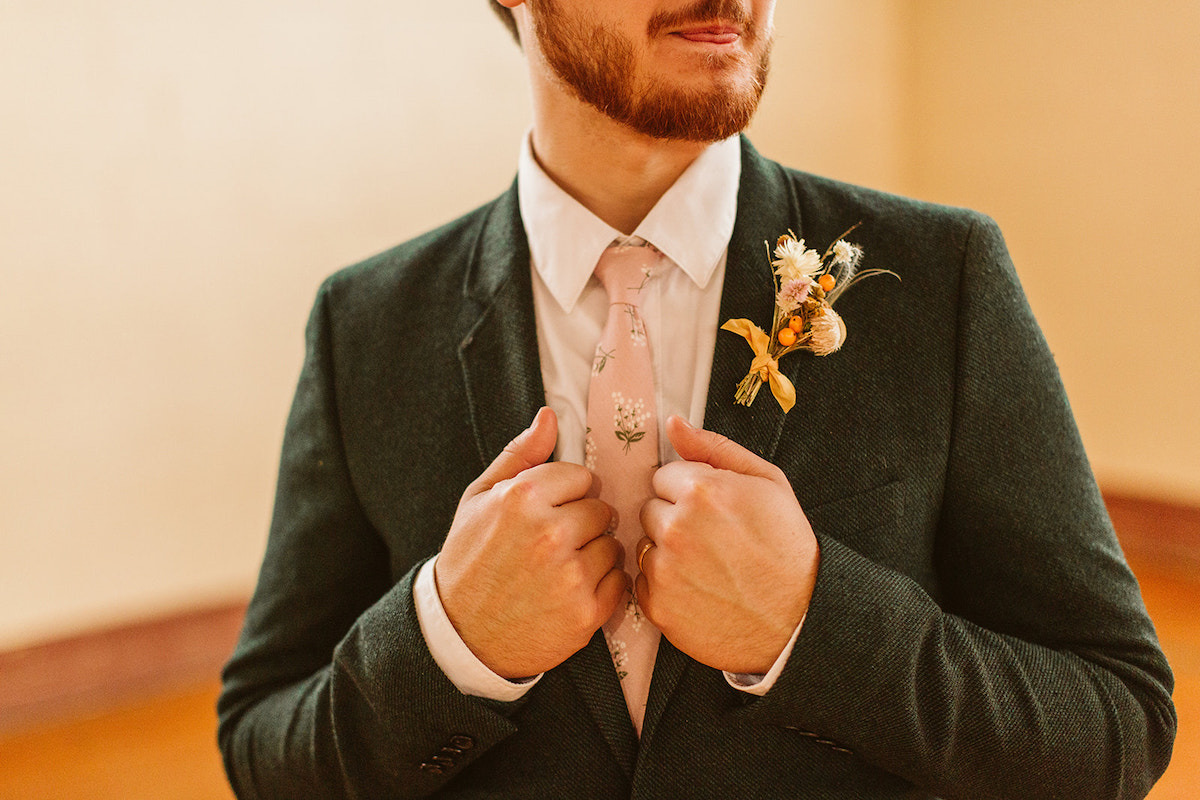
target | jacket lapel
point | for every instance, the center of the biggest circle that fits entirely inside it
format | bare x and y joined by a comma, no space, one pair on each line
591,670
499,353
766,209
503,378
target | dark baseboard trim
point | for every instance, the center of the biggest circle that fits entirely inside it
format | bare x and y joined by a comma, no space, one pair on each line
97,670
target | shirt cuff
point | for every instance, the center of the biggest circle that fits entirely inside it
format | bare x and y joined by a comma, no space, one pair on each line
470,675
761,684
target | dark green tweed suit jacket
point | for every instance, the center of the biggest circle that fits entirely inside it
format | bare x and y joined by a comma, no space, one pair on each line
974,633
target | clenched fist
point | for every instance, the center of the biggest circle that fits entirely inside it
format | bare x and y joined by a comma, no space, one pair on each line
527,573
734,560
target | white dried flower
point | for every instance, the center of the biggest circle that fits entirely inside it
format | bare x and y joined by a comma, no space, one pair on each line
794,261
827,331
846,253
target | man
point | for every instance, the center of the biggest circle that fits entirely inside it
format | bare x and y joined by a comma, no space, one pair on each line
905,587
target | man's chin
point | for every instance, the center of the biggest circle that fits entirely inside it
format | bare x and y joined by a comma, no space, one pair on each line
703,114
689,127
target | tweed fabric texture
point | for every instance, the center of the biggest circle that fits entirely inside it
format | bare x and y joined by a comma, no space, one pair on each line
974,631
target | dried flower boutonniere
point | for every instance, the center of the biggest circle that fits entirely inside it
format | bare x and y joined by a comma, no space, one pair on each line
806,287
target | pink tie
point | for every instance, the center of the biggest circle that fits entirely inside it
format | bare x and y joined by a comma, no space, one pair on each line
622,450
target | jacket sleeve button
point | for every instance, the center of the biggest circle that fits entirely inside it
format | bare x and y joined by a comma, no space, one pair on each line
431,769
462,742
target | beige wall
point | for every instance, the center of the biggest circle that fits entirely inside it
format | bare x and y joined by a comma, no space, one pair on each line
176,180
1077,126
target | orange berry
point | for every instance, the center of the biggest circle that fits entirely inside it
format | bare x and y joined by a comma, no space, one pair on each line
796,324
787,337
827,282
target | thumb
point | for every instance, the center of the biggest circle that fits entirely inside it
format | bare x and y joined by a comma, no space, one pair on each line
533,446
720,452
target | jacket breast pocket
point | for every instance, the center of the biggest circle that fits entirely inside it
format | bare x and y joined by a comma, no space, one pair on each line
846,517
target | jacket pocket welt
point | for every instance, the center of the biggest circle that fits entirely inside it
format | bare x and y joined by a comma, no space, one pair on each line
861,511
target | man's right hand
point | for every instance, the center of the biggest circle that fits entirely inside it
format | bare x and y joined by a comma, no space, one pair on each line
528,572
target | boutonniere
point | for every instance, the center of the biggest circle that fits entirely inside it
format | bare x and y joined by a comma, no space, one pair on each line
806,287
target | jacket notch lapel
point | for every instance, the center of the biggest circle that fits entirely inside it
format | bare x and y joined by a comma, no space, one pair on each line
499,354
592,672
766,209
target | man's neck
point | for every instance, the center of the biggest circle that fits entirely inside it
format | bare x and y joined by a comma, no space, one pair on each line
612,170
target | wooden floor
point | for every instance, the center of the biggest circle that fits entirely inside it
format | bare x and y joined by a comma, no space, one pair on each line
164,748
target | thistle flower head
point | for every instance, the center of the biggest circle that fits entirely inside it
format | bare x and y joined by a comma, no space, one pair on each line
827,331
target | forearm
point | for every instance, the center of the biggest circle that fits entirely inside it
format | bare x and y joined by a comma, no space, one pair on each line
962,711
363,725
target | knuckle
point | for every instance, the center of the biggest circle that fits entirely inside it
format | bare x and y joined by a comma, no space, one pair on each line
700,489
668,533
572,578
516,492
554,536
660,566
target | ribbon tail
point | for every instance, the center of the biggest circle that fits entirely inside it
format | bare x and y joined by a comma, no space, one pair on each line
784,391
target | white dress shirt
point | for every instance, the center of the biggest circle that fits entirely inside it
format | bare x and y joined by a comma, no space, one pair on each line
691,225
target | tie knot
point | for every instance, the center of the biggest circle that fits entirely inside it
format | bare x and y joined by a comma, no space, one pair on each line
624,270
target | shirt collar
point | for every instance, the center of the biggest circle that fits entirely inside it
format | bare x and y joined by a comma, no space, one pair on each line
691,223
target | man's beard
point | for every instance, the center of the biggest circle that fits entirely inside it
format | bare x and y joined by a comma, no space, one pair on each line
599,66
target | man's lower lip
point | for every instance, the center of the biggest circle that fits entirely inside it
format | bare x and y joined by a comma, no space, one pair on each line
708,37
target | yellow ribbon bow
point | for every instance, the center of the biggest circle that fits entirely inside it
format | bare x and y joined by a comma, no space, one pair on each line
766,367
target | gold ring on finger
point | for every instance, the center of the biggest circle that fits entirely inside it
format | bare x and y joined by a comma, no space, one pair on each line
646,547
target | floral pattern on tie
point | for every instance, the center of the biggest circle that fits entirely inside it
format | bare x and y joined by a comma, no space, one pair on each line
601,359
629,417
589,451
633,613
637,328
616,648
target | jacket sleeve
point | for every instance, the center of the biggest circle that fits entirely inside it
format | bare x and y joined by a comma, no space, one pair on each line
1037,672
331,691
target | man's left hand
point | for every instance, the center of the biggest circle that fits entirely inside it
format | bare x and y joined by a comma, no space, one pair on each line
734,560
